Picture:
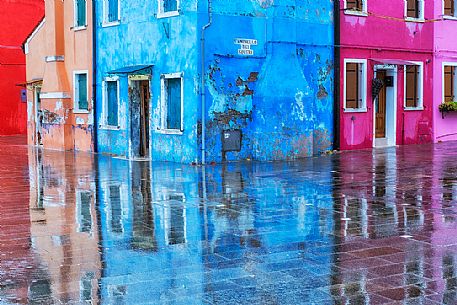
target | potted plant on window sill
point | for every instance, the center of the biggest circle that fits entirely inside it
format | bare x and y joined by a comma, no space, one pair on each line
448,107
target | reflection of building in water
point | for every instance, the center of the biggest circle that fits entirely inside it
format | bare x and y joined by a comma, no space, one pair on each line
64,223
21,276
149,230
376,223
444,234
253,210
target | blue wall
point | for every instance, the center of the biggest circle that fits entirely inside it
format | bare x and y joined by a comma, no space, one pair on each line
169,44
280,97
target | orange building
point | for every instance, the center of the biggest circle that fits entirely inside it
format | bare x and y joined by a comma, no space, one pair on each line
59,79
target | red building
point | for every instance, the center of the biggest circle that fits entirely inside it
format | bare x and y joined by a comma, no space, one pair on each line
17,20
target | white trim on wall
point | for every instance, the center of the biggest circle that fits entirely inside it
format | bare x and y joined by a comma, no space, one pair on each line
444,64
363,83
162,14
163,103
363,13
420,103
76,92
104,114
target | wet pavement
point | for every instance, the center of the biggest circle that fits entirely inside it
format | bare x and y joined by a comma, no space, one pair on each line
353,228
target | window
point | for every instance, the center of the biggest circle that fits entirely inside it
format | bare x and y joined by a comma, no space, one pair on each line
86,287
83,211
111,102
449,82
449,8
80,13
80,91
358,6
111,12
414,9
116,209
168,8
355,85
172,102
413,86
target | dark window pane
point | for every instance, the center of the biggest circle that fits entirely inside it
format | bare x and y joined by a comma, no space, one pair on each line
174,103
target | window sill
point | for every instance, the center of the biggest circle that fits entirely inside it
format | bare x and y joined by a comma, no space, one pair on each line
410,19
109,127
77,111
413,108
352,110
355,13
170,131
79,28
110,24
447,17
167,14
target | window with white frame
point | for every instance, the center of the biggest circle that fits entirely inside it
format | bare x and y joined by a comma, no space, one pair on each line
111,102
449,8
168,8
80,13
172,102
414,86
80,93
357,6
414,9
449,82
111,11
355,84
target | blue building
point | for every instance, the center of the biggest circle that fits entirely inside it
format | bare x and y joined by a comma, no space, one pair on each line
203,81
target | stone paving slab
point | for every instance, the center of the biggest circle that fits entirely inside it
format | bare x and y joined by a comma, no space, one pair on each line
363,227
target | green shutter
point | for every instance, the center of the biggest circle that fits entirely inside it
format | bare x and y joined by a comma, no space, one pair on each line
82,93
81,12
111,88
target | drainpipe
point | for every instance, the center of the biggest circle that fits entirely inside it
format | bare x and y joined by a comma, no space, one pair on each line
203,91
94,76
336,89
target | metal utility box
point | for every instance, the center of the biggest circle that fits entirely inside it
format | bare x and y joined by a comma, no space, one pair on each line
231,140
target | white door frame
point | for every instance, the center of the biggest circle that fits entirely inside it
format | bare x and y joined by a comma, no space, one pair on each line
391,129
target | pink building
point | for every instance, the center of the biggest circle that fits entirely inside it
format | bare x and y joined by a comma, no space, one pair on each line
444,65
389,43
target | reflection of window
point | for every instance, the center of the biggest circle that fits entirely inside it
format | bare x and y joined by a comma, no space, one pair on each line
117,293
116,209
355,84
175,220
85,286
355,211
83,211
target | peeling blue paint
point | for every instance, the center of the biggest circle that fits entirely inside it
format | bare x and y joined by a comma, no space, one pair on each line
280,95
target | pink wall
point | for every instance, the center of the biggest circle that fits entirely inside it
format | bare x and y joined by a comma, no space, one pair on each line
445,46
383,34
